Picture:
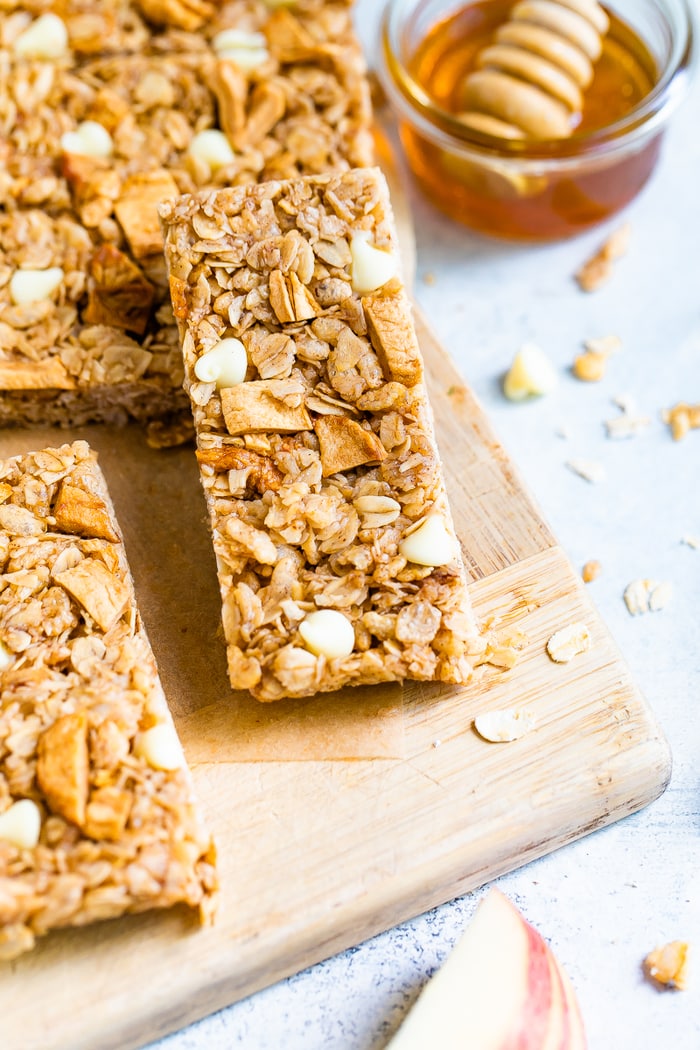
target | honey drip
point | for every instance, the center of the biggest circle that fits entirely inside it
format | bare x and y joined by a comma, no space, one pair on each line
525,206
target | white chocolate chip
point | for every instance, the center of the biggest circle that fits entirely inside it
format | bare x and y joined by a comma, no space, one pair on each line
6,658
377,511
430,544
500,727
46,37
225,364
247,50
371,267
327,633
32,286
212,147
569,642
21,824
160,746
530,375
89,139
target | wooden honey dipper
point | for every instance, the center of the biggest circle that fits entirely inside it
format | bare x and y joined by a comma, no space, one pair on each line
530,82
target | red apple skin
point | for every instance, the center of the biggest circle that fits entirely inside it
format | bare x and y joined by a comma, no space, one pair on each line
557,1037
532,1026
577,1033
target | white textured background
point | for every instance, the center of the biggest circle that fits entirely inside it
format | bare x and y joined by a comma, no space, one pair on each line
603,902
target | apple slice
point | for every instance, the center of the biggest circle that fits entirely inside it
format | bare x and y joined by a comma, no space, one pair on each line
500,989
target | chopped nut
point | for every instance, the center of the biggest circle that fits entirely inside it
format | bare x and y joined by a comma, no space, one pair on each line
591,571
225,364
371,267
669,965
81,513
393,337
691,541
262,474
102,594
644,595
345,444
430,544
33,286
598,269
119,293
90,139
569,642
46,37
160,747
107,813
530,375
20,825
588,469
501,727
604,344
213,148
253,408
327,633
681,418
137,210
62,766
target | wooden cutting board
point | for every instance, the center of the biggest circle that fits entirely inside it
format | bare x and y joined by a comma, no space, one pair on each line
318,855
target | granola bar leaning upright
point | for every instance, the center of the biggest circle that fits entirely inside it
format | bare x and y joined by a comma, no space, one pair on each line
97,816
337,558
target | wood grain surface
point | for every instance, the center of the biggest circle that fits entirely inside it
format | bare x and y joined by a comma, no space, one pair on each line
317,855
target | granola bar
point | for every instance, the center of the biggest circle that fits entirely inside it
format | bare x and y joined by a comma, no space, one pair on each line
97,816
97,141
336,553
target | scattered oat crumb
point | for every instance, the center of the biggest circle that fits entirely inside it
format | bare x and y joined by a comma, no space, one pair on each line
436,743
501,727
669,965
642,596
630,423
569,642
681,418
598,269
691,541
591,571
604,344
588,469
429,278
504,647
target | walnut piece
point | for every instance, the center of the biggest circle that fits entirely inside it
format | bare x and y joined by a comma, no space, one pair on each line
81,513
262,472
62,766
345,444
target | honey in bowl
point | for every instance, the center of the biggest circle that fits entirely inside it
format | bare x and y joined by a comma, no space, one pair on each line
517,185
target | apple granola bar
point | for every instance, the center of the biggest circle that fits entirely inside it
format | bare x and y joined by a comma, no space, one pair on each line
97,816
336,553
202,97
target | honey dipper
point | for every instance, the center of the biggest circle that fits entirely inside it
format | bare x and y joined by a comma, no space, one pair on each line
530,82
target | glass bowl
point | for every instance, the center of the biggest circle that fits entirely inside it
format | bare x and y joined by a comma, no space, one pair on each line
540,190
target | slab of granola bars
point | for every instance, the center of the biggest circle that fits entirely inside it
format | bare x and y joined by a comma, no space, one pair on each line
96,136
97,816
336,552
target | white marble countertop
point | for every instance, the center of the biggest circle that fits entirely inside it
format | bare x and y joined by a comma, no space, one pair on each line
605,901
